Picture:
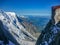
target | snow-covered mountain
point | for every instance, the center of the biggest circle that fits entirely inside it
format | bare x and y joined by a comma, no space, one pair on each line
13,29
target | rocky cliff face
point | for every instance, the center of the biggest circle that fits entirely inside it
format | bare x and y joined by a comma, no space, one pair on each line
29,26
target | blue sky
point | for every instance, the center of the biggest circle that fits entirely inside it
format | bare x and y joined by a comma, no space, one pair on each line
29,7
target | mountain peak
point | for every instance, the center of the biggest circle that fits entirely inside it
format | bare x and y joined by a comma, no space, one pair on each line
15,28
11,13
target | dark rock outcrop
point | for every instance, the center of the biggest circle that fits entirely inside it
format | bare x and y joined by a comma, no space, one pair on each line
2,35
5,35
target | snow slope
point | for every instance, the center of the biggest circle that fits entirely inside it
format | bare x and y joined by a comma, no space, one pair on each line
13,29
